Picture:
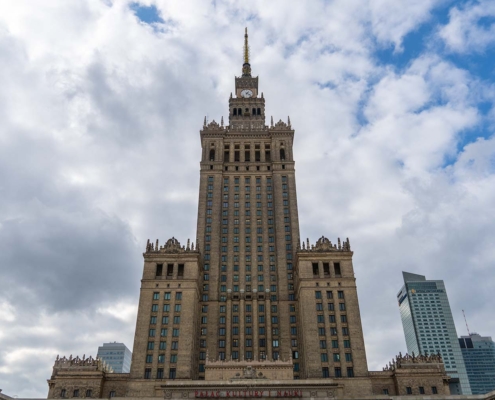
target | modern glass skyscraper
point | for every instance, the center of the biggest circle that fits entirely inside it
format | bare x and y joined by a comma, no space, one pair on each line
116,355
479,357
429,326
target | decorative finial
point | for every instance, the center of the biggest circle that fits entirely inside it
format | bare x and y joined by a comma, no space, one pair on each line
272,121
288,120
221,121
204,123
246,68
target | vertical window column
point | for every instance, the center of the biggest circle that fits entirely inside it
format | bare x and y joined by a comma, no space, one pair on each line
268,324
255,323
228,333
242,326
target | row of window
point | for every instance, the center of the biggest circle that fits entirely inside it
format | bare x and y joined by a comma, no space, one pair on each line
247,179
335,344
331,306
164,332
160,373
336,357
340,294
333,331
166,296
166,308
331,318
161,357
337,372
249,331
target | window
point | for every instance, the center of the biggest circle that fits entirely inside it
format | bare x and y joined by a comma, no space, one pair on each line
147,373
177,308
331,307
159,373
156,296
345,331
342,306
76,393
151,345
385,391
318,293
154,308
149,358
178,296
341,294
163,332
112,393
348,357
171,374
338,373
325,372
152,333
347,344
324,357
274,343
434,390
323,344
163,346
319,319
343,318
173,358
89,393
336,267
409,390
350,372
421,390
175,332
335,344
332,319
333,331
153,320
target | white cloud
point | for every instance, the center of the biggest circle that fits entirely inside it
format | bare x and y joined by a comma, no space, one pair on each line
466,31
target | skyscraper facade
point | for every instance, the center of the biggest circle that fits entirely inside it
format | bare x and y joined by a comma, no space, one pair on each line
479,358
248,310
429,326
116,355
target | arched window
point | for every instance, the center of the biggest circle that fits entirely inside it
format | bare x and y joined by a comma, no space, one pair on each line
239,111
254,111
282,154
212,155
259,111
235,111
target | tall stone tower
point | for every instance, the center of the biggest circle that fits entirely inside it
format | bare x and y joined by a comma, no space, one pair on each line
249,291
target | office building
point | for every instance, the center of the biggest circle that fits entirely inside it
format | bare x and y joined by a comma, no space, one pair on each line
116,355
429,326
479,358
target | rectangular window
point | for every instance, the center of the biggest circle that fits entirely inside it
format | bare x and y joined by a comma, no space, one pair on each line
342,306
173,358
161,358
409,390
335,344
147,373
421,390
178,296
350,372
323,344
338,373
324,357
151,333
163,346
175,332
151,345
159,373
154,307
336,357
347,344
172,374
153,320
434,390
348,357
332,319
163,332
177,308
156,296
318,295
336,267
331,307
325,372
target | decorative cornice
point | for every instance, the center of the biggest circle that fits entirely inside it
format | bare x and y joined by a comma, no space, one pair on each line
172,246
324,245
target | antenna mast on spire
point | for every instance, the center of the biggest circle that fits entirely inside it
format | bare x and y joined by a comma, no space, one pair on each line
465,320
246,47
246,67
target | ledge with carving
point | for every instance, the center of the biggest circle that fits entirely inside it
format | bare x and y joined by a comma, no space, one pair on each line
401,361
324,245
172,246
89,363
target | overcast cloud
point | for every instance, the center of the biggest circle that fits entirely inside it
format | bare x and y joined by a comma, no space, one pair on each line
101,102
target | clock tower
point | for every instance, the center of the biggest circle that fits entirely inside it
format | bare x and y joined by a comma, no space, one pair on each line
247,108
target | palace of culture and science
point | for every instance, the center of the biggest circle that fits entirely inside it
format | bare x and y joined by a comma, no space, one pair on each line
248,310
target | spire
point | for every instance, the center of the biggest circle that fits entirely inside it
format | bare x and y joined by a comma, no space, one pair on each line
246,67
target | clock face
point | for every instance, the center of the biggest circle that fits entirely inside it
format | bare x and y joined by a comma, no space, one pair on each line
246,93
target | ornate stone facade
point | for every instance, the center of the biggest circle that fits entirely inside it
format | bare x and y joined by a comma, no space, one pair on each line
250,311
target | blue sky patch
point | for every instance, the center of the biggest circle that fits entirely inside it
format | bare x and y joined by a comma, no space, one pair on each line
147,14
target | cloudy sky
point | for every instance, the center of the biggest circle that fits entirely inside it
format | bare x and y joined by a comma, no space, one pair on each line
101,102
